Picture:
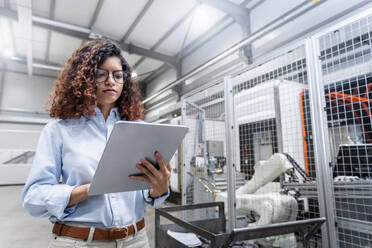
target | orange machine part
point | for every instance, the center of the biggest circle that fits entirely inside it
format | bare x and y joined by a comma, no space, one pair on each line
304,132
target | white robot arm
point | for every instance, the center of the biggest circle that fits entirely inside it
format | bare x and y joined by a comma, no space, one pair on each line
264,172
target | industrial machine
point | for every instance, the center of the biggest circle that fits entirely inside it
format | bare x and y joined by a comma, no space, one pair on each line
268,120
267,205
349,124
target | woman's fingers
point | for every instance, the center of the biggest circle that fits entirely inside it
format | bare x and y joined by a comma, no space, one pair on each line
160,161
144,170
150,167
141,178
157,179
169,167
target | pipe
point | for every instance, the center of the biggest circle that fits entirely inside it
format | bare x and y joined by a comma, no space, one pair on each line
23,111
41,20
277,23
308,32
35,65
45,66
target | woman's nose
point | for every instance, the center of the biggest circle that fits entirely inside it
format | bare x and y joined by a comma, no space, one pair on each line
110,79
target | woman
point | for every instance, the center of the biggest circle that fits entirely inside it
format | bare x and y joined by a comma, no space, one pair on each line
93,91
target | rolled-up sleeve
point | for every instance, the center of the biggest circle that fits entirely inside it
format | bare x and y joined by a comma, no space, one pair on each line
42,194
154,202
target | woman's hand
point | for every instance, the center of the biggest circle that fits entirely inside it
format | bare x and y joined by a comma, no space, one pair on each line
157,179
79,194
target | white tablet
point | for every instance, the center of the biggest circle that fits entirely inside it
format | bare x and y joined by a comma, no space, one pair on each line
128,143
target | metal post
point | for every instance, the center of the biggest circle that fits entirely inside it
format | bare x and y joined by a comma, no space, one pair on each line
278,124
230,154
278,119
321,142
184,181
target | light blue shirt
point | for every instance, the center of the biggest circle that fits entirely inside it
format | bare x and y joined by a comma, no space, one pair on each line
71,149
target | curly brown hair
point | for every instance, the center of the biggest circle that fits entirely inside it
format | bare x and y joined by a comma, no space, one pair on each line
75,91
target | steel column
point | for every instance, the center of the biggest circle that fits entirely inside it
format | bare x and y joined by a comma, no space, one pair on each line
183,122
321,140
230,153
278,119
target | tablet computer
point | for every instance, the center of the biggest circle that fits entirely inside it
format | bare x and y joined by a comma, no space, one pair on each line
129,142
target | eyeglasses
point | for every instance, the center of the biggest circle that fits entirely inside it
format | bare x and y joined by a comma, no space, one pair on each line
102,75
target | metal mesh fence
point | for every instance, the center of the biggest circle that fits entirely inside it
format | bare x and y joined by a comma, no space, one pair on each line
345,60
204,145
279,176
272,116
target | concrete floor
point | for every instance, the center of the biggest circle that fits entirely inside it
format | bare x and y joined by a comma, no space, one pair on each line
19,229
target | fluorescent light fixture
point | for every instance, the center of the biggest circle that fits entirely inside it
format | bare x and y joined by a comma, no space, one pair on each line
134,74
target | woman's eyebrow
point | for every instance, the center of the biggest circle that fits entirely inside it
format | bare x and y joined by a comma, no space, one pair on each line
108,70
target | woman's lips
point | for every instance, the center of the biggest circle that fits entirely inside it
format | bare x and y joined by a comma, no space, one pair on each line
110,91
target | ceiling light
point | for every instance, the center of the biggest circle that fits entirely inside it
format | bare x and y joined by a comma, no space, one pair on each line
201,17
134,74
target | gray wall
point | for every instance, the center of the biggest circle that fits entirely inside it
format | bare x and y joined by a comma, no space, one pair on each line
19,91
24,92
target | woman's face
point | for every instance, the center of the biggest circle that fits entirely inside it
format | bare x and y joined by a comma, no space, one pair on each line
108,91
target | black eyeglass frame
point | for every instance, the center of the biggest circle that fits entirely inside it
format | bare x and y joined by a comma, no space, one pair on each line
125,75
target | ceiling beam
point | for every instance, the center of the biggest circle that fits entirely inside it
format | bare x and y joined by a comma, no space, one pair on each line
221,25
167,34
24,9
96,13
143,85
87,34
246,2
280,21
239,13
246,51
174,27
130,48
204,38
257,4
61,27
137,20
52,12
163,68
146,73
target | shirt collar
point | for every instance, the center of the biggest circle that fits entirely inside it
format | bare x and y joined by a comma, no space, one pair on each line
114,112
